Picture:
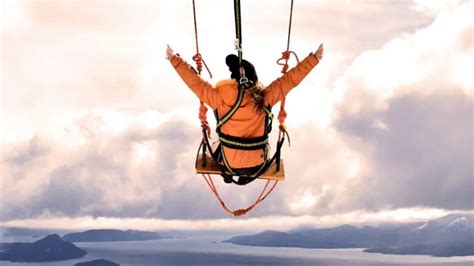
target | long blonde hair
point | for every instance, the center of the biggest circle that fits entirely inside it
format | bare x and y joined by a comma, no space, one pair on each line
256,92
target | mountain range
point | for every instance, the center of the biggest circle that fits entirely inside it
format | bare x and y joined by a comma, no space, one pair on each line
451,235
103,235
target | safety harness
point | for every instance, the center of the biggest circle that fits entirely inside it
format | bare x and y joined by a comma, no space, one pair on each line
233,142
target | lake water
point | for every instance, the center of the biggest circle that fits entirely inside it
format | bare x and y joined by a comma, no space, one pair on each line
207,250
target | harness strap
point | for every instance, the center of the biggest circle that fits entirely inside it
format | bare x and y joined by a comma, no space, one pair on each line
240,143
225,172
276,157
238,31
243,143
245,179
232,111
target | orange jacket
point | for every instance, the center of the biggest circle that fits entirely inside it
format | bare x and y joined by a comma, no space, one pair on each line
246,122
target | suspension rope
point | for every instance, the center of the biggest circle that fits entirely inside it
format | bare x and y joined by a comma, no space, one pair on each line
197,58
286,54
238,30
289,26
195,27
283,61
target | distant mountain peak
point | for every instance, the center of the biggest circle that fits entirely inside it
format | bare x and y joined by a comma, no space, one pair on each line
50,239
454,221
49,248
456,216
271,231
462,222
346,227
98,262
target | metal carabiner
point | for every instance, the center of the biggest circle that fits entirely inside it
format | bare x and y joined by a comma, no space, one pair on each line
243,80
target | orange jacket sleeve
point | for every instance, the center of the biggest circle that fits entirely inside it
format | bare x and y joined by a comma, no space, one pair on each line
280,87
204,91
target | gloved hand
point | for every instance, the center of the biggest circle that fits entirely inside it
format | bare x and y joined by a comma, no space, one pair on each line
169,52
319,52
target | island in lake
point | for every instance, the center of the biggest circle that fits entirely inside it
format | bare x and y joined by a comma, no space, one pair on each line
50,248
105,235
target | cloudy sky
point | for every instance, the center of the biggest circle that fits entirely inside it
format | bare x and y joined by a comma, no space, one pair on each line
98,130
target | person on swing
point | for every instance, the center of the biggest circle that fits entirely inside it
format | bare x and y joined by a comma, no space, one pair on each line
249,120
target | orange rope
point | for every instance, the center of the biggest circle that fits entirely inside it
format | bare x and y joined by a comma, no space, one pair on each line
202,108
282,114
203,117
200,62
286,56
239,212
197,57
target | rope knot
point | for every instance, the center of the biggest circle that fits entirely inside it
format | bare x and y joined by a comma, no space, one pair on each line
285,56
199,63
198,59
282,116
203,118
240,212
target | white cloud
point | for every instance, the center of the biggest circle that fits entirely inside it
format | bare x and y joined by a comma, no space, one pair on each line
111,56
408,112
443,47
436,54
92,112
13,16
250,224
111,167
434,8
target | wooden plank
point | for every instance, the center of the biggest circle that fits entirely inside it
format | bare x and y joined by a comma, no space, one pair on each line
211,168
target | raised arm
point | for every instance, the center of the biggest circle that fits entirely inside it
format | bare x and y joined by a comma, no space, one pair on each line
204,91
281,86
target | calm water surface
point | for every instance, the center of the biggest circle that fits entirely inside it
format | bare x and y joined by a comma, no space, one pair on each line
207,250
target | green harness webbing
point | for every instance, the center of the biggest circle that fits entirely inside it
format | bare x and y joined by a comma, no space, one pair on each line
232,111
238,30
240,143
243,81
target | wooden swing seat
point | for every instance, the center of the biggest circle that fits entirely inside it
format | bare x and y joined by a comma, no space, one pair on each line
211,168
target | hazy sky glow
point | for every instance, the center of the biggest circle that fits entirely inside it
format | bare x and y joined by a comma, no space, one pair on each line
98,130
